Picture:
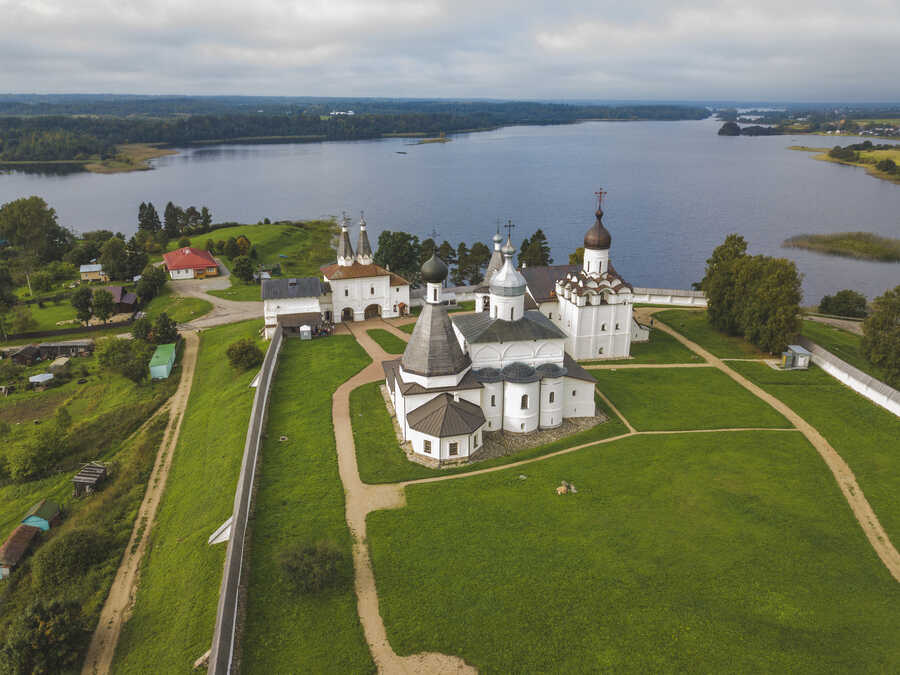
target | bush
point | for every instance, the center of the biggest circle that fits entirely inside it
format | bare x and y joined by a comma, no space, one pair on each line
887,165
126,357
244,354
141,329
37,458
42,281
66,558
881,335
312,569
44,639
242,268
844,303
165,330
22,321
184,241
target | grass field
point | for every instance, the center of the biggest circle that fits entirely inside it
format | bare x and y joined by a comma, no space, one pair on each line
867,161
180,308
662,348
694,326
301,249
672,399
300,500
381,460
51,313
722,552
865,435
407,328
175,608
863,245
843,344
388,341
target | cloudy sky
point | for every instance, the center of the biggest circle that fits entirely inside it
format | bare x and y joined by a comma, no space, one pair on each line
627,49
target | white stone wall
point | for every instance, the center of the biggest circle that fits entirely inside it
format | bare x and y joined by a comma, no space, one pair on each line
508,308
500,354
578,398
492,405
440,447
551,414
669,296
357,294
515,418
595,262
597,331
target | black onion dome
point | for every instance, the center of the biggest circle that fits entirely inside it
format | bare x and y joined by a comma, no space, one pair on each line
434,271
598,237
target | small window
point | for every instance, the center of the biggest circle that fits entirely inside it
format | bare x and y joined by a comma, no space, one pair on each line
550,315
574,392
428,447
511,313
346,292
493,401
524,401
396,289
454,448
602,326
600,351
371,290
477,439
552,396
435,295
617,326
522,427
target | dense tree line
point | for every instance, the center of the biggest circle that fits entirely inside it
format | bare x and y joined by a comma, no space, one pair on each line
757,297
881,335
57,137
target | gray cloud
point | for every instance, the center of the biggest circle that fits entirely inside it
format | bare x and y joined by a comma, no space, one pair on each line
461,48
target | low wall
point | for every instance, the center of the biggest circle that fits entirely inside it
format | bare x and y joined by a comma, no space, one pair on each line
669,296
874,390
69,331
222,651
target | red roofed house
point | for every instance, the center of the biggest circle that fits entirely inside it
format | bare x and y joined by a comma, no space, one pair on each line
190,263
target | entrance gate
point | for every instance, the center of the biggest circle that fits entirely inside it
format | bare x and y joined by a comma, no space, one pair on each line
373,311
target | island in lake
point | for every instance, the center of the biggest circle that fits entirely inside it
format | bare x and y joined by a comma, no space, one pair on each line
862,245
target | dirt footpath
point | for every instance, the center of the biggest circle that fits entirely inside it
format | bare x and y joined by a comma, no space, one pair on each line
120,600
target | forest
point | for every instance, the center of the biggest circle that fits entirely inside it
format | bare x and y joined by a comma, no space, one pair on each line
75,128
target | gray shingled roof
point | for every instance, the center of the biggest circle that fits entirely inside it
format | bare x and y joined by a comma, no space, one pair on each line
344,249
442,417
480,327
542,280
575,371
363,248
468,381
303,287
550,370
520,372
433,348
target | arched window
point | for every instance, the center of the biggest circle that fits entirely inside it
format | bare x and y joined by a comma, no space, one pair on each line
602,326
493,401
617,326
435,295
524,401
371,290
573,392
552,396
511,313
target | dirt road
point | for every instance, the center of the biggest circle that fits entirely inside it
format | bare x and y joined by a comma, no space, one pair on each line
118,603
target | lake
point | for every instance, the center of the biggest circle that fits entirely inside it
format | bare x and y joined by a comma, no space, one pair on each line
675,190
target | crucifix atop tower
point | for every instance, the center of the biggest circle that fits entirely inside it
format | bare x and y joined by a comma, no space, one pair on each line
509,227
601,193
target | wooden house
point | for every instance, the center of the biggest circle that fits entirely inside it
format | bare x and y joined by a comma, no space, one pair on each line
93,272
88,478
13,550
44,515
27,356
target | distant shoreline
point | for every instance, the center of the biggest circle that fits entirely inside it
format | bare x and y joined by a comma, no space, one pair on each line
859,245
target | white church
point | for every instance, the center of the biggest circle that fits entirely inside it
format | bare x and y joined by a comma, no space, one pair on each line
509,366
353,288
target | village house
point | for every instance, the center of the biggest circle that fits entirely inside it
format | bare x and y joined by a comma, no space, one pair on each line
124,302
93,272
190,263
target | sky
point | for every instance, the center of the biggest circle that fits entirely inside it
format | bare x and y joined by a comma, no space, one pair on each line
760,50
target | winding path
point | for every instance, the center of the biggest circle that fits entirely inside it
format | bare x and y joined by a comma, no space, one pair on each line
120,600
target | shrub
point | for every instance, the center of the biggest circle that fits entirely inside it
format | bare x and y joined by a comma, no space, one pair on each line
844,303
44,639
66,558
245,354
22,321
312,569
887,165
141,329
126,357
242,268
184,241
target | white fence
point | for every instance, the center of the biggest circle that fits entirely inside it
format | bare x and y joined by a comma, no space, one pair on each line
669,296
874,390
222,652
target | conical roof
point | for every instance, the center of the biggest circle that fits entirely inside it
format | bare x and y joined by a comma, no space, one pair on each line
363,248
598,237
496,261
508,281
344,249
433,348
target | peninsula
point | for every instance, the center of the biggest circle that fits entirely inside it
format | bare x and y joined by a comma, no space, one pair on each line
862,245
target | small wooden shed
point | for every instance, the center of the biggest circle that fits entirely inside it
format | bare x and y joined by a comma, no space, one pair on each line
162,361
88,478
15,547
44,515
27,356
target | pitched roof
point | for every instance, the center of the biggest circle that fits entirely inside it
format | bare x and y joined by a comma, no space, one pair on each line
542,280
391,371
360,271
121,296
575,371
481,327
15,546
43,509
301,287
95,267
433,348
188,258
442,417
90,474
163,355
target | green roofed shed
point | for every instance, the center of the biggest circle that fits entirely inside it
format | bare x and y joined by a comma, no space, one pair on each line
162,361
45,514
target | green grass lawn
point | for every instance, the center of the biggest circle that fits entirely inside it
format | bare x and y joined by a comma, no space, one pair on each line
388,341
722,552
865,435
175,610
381,460
239,291
300,500
694,326
843,344
674,399
51,313
407,328
180,308
662,348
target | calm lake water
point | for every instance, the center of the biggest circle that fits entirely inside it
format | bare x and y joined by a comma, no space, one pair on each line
675,190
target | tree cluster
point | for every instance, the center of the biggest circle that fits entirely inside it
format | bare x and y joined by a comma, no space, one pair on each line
881,335
129,358
844,303
162,331
244,354
757,297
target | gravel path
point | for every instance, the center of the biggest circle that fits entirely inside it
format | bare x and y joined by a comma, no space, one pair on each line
120,600
843,324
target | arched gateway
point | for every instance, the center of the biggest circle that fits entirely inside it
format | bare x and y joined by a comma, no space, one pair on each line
373,311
